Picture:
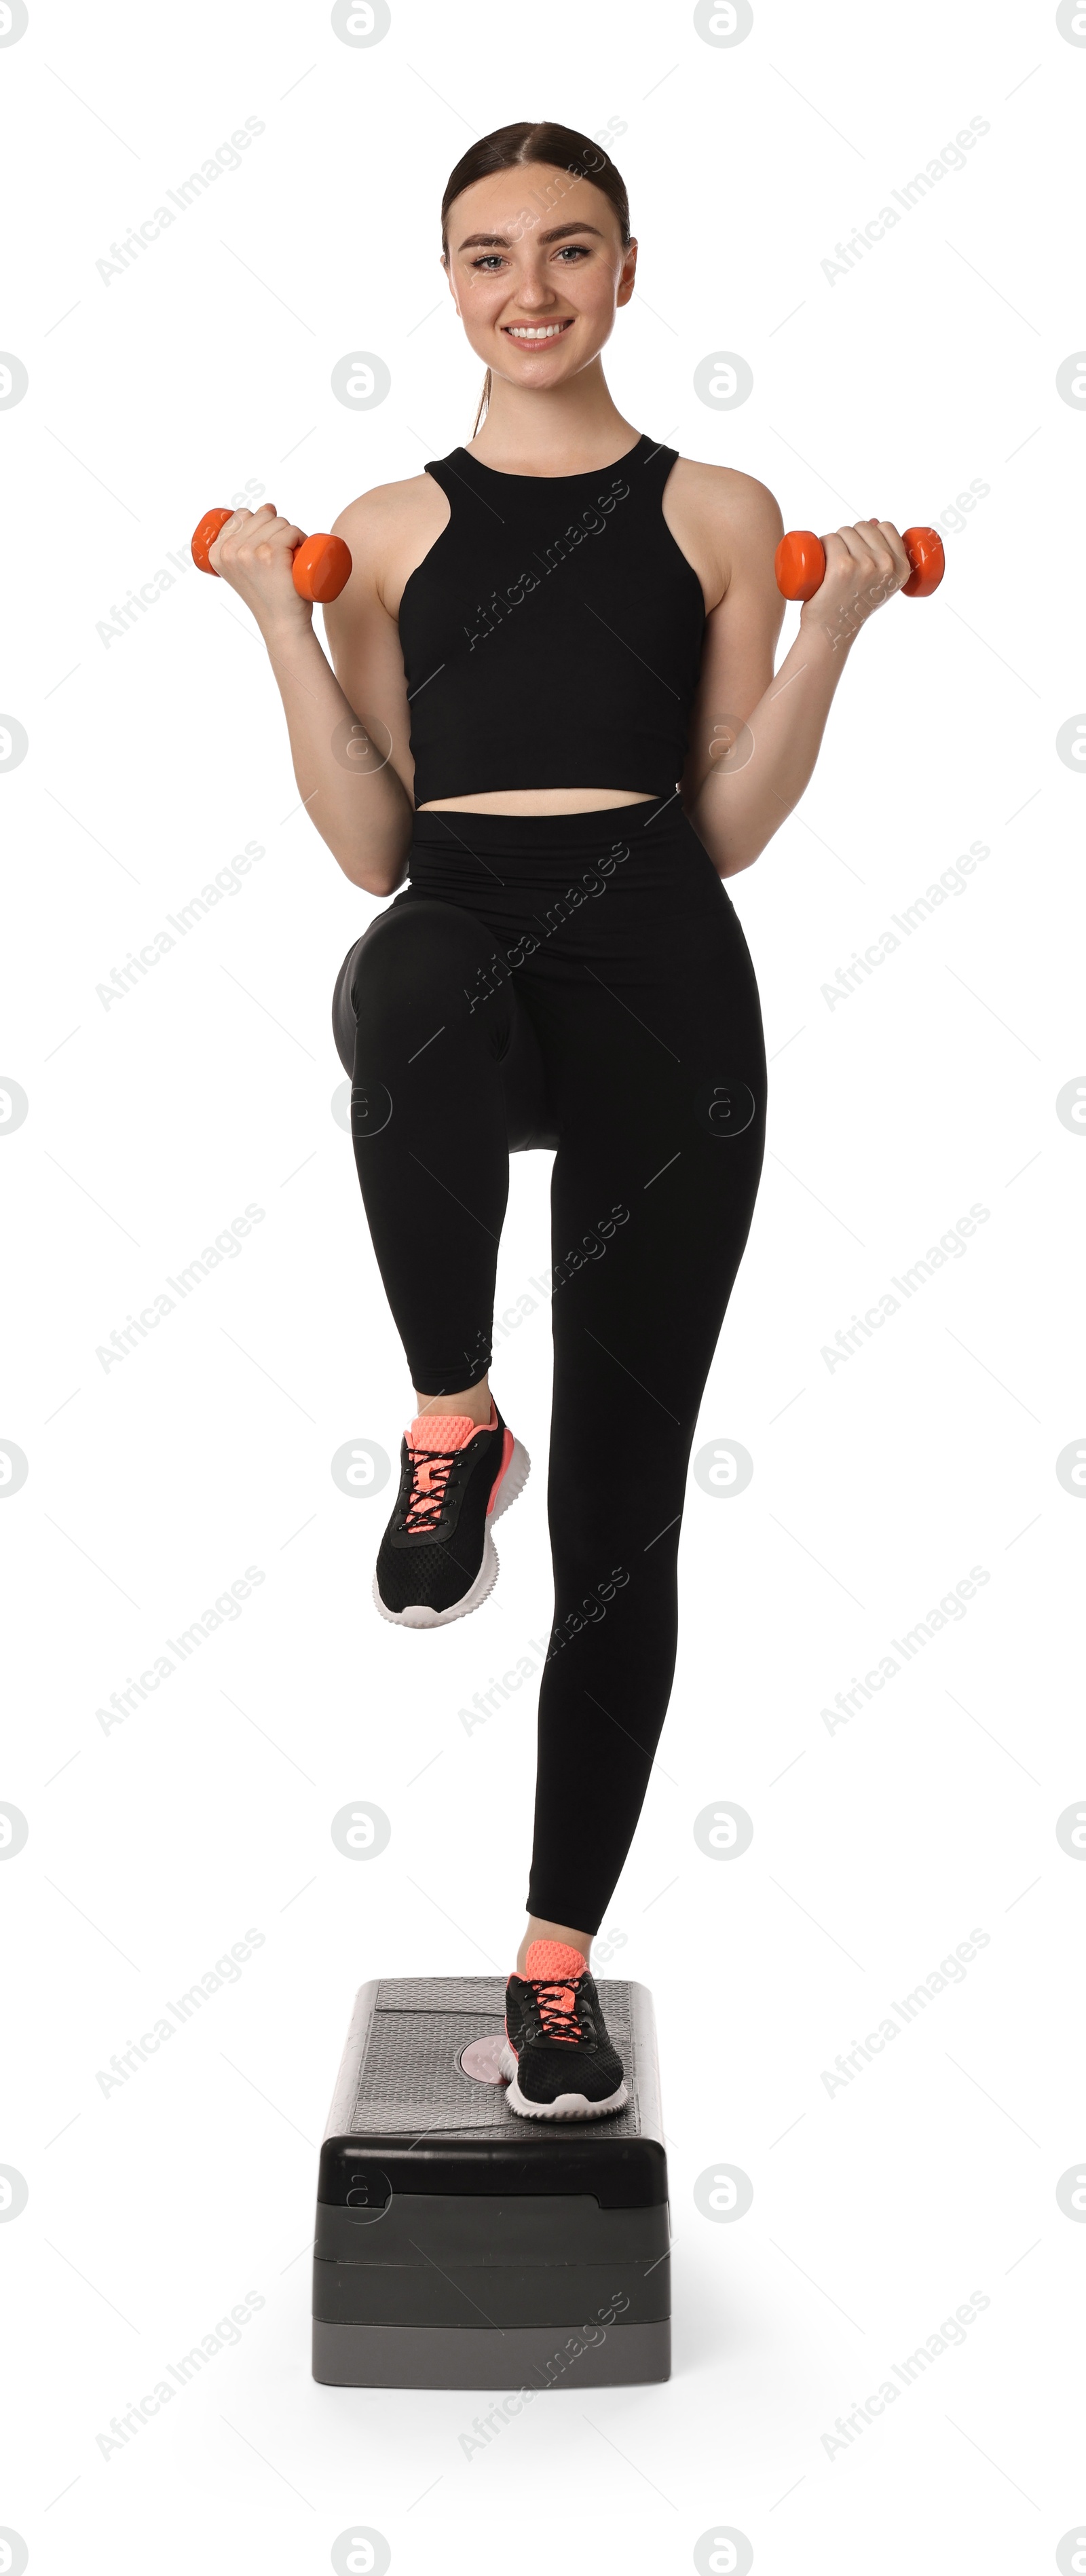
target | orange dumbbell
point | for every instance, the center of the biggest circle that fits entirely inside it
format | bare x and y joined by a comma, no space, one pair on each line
322,565
800,563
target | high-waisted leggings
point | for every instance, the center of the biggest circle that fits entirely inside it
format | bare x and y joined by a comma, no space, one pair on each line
578,982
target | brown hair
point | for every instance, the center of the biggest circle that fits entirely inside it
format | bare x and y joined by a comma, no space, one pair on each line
558,146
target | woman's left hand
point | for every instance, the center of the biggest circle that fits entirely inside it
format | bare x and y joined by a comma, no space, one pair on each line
865,565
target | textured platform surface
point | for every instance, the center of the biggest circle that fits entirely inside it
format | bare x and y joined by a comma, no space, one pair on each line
409,2072
402,2091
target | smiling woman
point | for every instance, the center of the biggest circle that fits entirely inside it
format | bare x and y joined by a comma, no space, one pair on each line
554,711
569,240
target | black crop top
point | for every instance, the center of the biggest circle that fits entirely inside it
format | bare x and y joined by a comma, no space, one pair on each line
552,635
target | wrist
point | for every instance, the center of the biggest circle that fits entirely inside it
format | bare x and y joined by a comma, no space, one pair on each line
286,635
834,634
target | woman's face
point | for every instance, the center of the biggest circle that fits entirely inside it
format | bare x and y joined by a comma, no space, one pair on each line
537,270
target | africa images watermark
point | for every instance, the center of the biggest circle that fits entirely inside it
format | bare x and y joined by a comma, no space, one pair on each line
594,1607
486,2427
497,970
226,1247
176,2012
593,522
501,1689
951,1971
551,1277
127,613
952,881
952,2330
950,1609
222,1612
863,240
227,882
226,156
226,2330
952,1246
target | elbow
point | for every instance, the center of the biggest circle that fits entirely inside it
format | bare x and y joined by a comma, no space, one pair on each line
729,854
729,844
378,865
732,850
734,861
372,877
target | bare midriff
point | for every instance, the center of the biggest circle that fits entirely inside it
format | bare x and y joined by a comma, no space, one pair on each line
538,800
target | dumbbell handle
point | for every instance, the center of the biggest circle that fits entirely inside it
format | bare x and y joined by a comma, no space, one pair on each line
800,563
322,565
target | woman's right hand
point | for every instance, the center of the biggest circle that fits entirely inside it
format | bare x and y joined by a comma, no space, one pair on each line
865,565
254,552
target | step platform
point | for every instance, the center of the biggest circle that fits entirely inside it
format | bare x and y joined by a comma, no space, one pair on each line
459,2245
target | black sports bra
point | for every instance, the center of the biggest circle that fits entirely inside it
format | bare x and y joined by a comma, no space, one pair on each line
552,636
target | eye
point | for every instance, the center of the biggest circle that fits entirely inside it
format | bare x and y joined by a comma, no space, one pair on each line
489,261
574,250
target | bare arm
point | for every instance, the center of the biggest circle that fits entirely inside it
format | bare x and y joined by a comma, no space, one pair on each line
755,734
348,734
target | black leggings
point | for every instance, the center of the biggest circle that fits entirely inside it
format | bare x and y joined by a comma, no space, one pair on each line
579,982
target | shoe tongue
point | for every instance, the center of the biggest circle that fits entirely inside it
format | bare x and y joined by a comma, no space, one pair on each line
549,1959
442,1431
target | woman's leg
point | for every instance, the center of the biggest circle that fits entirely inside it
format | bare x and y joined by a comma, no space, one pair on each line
446,1075
442,1083
652,1196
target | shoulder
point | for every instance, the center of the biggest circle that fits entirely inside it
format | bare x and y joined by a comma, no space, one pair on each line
727,524
388,530
728,499
389,507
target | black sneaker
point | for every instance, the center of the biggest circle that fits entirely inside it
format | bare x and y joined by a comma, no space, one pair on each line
557,2050
437,1558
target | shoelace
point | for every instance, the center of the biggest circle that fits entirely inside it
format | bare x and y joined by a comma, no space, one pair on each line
430,1470
558,2018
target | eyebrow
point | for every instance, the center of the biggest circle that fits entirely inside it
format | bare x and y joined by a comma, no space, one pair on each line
500,241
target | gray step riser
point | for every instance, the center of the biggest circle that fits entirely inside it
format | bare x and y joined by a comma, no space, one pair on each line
477,2227
477,2295
528,2358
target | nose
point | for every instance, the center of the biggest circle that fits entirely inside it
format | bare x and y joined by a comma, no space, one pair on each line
535,293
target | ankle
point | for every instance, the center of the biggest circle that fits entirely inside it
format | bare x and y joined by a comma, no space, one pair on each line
474,1401
538,1929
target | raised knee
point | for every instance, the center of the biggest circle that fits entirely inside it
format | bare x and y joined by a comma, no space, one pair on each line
419,959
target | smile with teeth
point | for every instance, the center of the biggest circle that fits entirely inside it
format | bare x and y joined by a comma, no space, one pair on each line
537,330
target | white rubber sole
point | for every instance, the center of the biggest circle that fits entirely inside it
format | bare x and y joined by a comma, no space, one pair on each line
568,2106
418,1614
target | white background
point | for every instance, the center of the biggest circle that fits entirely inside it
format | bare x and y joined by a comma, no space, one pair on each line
877,1483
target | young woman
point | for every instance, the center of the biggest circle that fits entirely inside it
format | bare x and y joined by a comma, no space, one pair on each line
554,712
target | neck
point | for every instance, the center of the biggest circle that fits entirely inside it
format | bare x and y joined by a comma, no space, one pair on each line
570,431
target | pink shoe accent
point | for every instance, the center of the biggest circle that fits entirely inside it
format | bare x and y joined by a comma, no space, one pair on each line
508,1445
442,1431
553,1959
554,1966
